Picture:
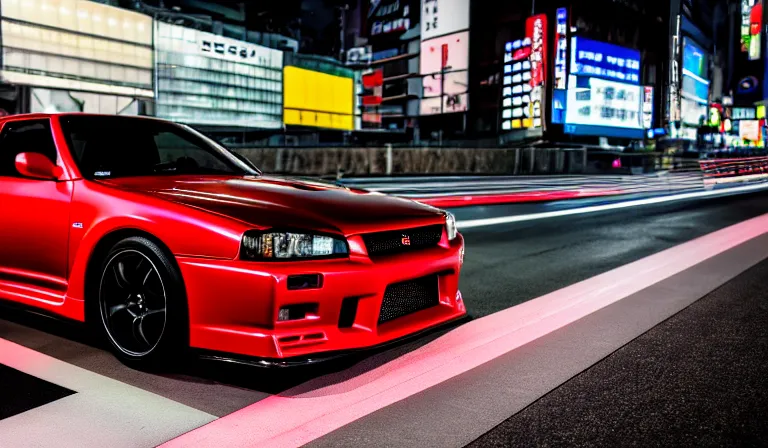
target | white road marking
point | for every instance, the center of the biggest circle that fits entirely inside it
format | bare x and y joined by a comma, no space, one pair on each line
472,223
103,413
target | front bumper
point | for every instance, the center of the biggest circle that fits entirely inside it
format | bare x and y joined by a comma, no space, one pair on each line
234,305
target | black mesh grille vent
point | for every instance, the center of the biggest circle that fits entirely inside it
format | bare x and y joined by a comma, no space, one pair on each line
402,299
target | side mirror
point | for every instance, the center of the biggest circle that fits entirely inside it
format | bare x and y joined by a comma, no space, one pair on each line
38,166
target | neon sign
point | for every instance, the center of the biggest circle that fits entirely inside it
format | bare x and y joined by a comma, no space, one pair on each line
561,48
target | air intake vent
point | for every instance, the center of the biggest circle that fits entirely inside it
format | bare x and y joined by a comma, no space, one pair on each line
402,299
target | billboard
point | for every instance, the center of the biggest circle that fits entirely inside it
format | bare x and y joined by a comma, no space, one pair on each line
449,52
524,77
441,17
561,48
603,107
536,33
648,107
391,17
604,60
746,22
77,45
755,31
694,59
516,104
749,130
318,99
210,80
448,56
695,86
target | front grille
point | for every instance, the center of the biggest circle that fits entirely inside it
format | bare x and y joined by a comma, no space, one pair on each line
402,299
398,241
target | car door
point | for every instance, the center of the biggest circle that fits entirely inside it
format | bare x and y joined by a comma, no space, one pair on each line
34,213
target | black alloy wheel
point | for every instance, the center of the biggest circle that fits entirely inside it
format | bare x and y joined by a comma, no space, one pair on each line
142,308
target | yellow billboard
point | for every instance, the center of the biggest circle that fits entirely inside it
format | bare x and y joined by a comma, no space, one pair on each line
317,99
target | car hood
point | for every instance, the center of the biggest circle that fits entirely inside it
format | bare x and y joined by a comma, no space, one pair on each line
272,202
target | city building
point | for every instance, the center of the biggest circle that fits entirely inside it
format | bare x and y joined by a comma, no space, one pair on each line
388,49
75,55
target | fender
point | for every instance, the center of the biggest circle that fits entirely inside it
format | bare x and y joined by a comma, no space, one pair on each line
184,230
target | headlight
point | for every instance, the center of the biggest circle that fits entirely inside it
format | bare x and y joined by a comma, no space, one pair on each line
286,246
450,226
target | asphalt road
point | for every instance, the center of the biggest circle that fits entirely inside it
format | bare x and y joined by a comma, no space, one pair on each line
510,264
698,379
505,265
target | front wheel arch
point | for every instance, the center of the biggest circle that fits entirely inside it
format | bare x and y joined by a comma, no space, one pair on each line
98,257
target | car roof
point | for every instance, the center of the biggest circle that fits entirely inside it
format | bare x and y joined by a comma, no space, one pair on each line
68,114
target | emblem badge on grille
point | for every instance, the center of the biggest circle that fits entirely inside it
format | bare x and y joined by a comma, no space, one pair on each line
406,240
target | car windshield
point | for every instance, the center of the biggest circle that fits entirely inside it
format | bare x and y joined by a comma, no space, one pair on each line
109,147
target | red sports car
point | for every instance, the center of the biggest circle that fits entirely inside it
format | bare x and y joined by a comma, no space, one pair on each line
164,240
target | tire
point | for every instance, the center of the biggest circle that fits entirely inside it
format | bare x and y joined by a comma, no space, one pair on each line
140,304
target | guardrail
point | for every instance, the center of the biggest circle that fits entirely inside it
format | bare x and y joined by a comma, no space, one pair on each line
737,168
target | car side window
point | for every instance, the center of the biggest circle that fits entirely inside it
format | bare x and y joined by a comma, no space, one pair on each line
25,136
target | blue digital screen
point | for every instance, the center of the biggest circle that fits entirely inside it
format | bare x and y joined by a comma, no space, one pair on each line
694,59
558,106
696,88
603,131
602,60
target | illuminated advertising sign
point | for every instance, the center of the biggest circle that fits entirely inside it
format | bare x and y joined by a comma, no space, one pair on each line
693,113
674,78
603,60
209,80
746,23
318,99
603,107
77,45
715,115
743,113
448,55
561,48
695,65
536,32
694,59
441,17
392,16
749,130
448,52
755,27
747,85
648,107
516,103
